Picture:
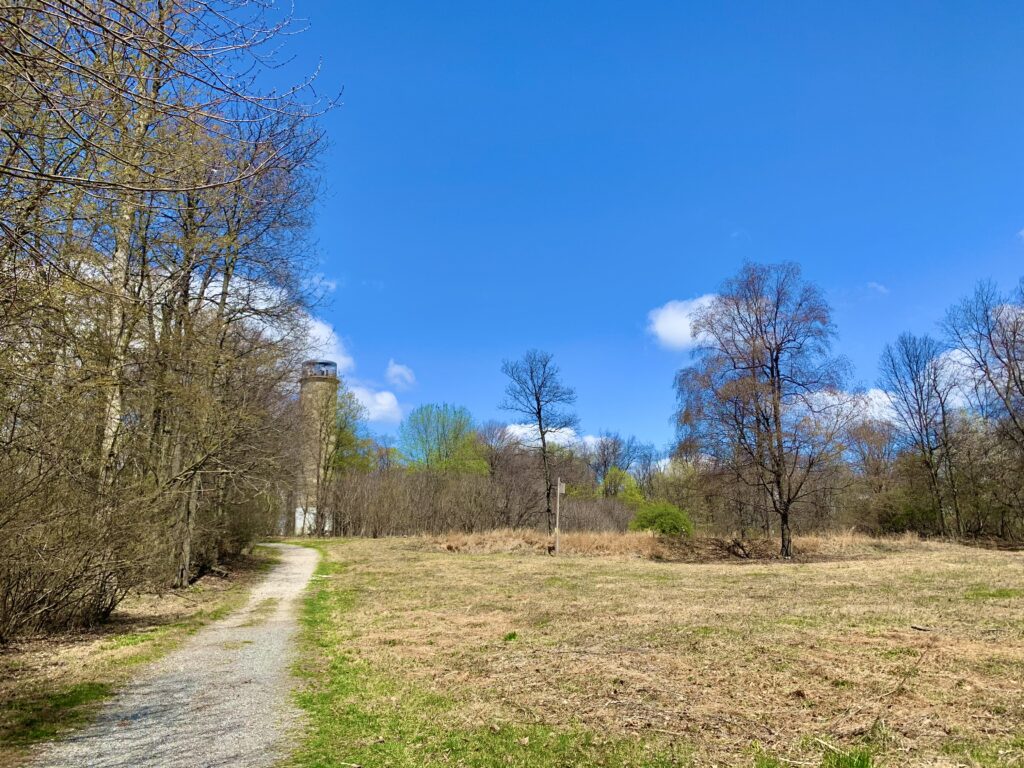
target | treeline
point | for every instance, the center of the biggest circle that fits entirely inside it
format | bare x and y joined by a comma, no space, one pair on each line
771,435
153,205
447,473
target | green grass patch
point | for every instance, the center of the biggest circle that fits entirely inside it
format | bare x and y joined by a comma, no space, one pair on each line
362,715
993,593
999,754
130,639
857,758
41,717
833,758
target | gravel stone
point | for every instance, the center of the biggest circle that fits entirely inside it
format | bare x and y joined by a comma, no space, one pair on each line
222,699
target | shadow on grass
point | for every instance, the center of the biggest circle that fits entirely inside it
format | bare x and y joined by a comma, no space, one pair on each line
42,717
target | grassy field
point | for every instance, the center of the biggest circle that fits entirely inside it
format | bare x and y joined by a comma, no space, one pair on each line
50,685
451,652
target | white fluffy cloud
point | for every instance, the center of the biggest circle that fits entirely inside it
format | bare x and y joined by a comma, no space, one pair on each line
400,376
527,434
381,406
326,344
671,322
877,405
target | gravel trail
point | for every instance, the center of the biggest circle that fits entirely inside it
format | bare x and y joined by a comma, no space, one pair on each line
222,699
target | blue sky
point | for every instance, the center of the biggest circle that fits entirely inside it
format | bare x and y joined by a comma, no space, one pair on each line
545,174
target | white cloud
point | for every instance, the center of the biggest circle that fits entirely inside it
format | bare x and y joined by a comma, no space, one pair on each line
381,406
878,406
527,435
321,283
400,376
878,288
671,323
325,343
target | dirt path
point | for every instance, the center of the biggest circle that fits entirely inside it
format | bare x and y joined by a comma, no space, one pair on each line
222,699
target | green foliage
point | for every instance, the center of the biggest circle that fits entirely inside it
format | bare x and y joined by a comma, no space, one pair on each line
985,755
661,517
38,719
619,484
352,449
441,437
834,758
511,637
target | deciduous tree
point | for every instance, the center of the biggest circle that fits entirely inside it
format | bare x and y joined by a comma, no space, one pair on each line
536,393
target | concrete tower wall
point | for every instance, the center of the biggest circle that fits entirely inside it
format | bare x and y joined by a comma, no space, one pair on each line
318,401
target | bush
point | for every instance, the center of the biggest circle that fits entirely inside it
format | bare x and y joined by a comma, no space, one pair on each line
661,517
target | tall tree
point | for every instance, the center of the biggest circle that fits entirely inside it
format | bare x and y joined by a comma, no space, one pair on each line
536,393
765,398
917,378
153,209
987,329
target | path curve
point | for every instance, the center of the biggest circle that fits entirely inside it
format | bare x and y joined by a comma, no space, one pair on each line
222,699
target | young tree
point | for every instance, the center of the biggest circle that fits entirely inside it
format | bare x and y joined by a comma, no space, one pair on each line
441,437
765,398
536,393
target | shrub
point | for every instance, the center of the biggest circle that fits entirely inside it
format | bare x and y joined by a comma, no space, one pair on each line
661,517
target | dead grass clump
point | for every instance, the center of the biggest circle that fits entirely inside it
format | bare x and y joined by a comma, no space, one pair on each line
855,544
528,540
649,546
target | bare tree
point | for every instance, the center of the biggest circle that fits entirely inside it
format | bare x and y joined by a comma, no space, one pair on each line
987,329
765,398
153,209
872,445
917,378
536,393
611,450
645,468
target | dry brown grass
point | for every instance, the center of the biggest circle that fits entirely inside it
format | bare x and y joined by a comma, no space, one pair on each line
915,648
646,545
526,540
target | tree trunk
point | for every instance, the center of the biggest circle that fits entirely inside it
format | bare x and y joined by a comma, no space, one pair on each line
547,478
184,566
787,535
